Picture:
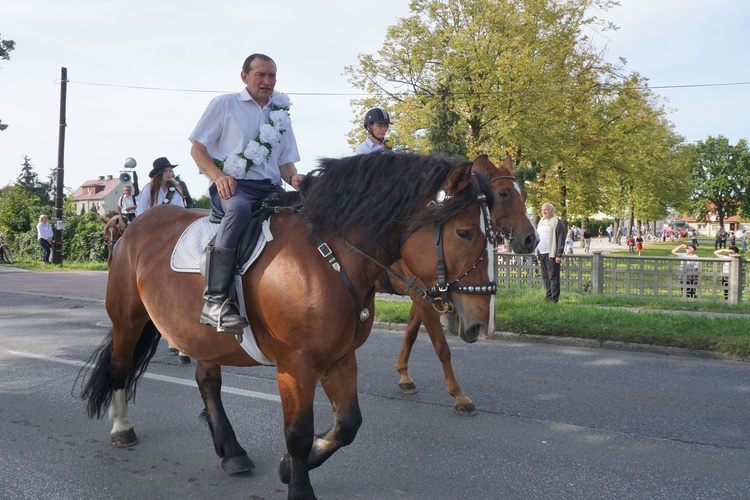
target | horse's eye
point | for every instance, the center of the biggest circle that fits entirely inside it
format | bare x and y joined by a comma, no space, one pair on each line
503,193
466,235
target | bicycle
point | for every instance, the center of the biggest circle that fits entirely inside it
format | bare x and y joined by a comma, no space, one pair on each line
5,254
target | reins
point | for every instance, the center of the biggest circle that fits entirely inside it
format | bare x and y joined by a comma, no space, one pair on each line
440,292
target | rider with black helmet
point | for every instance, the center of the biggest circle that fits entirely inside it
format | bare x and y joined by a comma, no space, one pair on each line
377,121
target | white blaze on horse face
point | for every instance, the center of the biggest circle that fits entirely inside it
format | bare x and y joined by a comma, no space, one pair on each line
518,188
491,262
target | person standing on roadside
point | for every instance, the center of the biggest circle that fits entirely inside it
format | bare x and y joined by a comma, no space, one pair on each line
689,268
549,251
587,239
726,255
44,235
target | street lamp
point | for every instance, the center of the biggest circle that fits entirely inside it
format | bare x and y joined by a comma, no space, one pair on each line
125,176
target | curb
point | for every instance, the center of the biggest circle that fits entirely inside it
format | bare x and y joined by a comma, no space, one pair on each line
590,344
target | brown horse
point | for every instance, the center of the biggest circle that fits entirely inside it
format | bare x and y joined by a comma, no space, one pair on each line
114,226
510,218
309,313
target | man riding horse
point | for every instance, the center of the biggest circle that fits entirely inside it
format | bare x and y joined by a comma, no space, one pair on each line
244,142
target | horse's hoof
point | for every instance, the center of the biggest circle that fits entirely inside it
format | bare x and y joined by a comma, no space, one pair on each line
172,350
407,387
124,439
184,360
285,469
237,464
465,409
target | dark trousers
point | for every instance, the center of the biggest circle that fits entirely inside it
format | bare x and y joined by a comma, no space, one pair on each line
550,276
47,249
238,209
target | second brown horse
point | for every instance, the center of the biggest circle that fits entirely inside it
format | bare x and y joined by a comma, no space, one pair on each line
509,218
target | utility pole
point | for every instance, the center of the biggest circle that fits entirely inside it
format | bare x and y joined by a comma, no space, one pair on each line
57,242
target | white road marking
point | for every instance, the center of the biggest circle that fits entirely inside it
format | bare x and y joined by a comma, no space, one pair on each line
153,376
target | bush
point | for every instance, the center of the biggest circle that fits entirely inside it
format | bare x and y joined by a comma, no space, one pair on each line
83,239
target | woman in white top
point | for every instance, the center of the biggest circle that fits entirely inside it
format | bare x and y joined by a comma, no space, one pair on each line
44,235
162,189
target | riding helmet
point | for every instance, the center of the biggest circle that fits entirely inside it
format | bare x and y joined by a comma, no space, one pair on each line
377,115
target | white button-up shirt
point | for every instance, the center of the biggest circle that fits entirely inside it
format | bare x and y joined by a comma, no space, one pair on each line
126,202
367,146
230,122
144,201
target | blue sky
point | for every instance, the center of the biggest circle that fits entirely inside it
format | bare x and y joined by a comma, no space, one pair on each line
201,45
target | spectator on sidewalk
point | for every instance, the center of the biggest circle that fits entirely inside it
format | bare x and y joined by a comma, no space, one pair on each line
587,240
549,251
689,268
726,255
44,235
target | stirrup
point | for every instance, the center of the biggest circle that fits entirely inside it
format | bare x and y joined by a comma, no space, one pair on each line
228,329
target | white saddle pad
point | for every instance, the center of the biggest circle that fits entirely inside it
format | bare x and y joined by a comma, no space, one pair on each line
186,255
186,259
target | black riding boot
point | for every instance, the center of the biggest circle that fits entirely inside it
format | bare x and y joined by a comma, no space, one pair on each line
217,265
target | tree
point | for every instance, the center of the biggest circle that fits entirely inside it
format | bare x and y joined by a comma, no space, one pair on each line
28,180
720,177
6,46
518,76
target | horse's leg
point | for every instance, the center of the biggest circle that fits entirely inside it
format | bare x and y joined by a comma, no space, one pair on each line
122,433
110,382
431,318
340,385
234,458
297,390
405,383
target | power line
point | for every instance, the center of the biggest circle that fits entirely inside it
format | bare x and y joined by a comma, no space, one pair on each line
350,94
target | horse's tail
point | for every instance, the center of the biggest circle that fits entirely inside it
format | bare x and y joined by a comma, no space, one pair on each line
97,377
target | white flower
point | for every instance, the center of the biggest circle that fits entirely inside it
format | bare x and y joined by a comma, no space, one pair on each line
280,101
280,120
235,165
259,149
269,135
256,153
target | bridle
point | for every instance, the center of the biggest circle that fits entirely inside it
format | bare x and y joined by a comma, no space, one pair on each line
507,234
113,230
439,293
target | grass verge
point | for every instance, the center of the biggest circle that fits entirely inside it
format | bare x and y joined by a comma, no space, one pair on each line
527,313
37,265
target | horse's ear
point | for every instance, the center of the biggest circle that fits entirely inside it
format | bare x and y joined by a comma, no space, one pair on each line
458,178
508,164
482,165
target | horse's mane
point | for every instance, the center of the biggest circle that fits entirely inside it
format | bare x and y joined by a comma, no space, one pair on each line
379,193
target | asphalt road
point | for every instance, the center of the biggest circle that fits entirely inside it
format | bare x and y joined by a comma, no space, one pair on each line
553,422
